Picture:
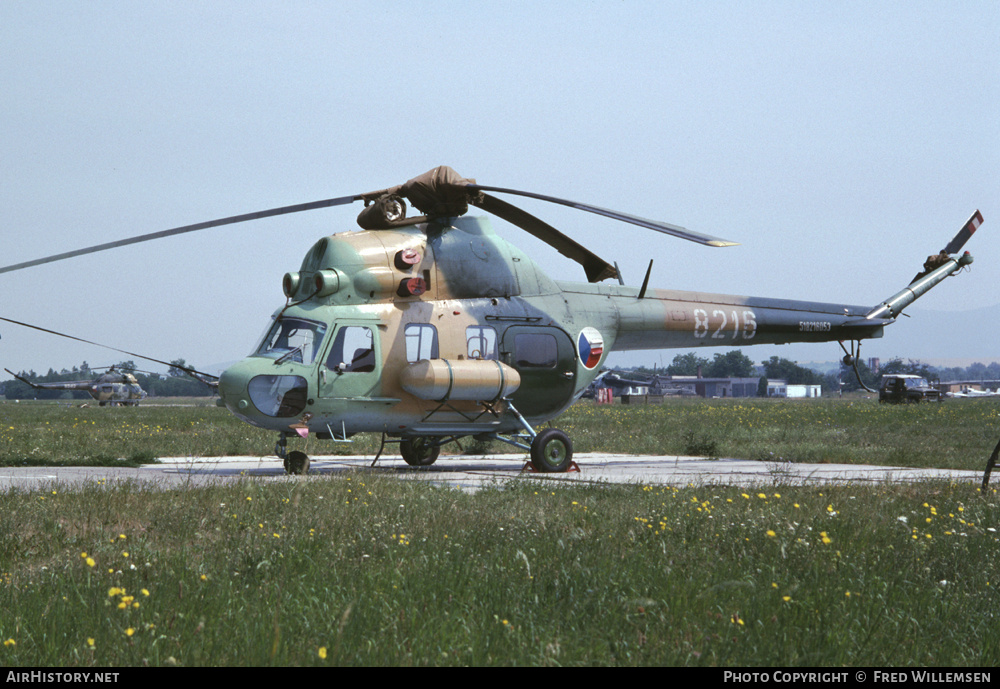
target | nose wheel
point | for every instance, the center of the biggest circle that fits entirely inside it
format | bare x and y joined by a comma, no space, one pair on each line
295,462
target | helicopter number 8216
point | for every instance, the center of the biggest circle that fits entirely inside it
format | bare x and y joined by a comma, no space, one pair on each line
432,328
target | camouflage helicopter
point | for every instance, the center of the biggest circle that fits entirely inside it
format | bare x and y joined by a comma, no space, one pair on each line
113,388
432,328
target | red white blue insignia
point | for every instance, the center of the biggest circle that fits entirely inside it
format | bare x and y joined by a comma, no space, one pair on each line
590,345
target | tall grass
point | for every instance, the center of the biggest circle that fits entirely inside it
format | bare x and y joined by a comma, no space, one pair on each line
367,570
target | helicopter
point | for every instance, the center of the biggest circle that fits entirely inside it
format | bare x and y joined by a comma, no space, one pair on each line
113,388
430,328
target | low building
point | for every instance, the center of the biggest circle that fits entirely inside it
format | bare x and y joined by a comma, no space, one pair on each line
967,385
781,388
804,391
717,387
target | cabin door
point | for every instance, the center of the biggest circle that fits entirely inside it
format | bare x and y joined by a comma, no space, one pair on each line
546,360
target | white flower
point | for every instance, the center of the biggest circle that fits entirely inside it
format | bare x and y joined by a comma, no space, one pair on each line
902,519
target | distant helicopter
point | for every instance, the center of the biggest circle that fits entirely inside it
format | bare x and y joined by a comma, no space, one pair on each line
432,328
114,388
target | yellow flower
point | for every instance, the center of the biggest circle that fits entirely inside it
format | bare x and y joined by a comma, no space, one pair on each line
90,641
204,578
145,592
786,598
826,539
10,642
322,652
90,562
129,632
771,533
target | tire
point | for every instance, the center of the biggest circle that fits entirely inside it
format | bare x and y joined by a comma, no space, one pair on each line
419,452
551,451
297,462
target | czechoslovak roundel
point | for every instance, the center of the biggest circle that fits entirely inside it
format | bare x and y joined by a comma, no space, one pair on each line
590,345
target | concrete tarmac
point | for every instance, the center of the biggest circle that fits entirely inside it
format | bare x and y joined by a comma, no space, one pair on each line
471,473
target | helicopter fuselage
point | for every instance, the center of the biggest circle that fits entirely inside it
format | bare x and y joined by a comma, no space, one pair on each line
445,328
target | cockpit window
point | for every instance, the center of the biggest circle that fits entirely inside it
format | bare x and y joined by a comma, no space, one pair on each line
353,350
292,339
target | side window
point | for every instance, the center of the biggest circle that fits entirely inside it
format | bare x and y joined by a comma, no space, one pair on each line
482,342
535,350
421,342
353,350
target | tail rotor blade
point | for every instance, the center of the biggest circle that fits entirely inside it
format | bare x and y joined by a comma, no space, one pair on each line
969,229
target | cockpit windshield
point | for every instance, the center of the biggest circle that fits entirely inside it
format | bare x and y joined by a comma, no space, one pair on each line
292,339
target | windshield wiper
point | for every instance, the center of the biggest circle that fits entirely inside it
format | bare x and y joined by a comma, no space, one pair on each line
290,352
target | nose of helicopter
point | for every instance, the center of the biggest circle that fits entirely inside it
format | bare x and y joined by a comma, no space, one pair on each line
231,384
250,389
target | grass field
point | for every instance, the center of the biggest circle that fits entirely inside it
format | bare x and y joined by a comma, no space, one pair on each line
368,570
958,434
363,569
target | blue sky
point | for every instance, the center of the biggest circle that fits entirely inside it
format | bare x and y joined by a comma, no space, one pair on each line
839,143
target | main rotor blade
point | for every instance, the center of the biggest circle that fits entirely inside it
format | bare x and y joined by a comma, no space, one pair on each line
186,228
666,228
597,268
66,385
114,349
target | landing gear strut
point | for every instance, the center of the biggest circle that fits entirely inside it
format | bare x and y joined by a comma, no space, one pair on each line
551,450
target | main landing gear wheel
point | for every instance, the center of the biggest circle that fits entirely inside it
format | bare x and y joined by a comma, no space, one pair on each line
419,452
551,451
297,462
